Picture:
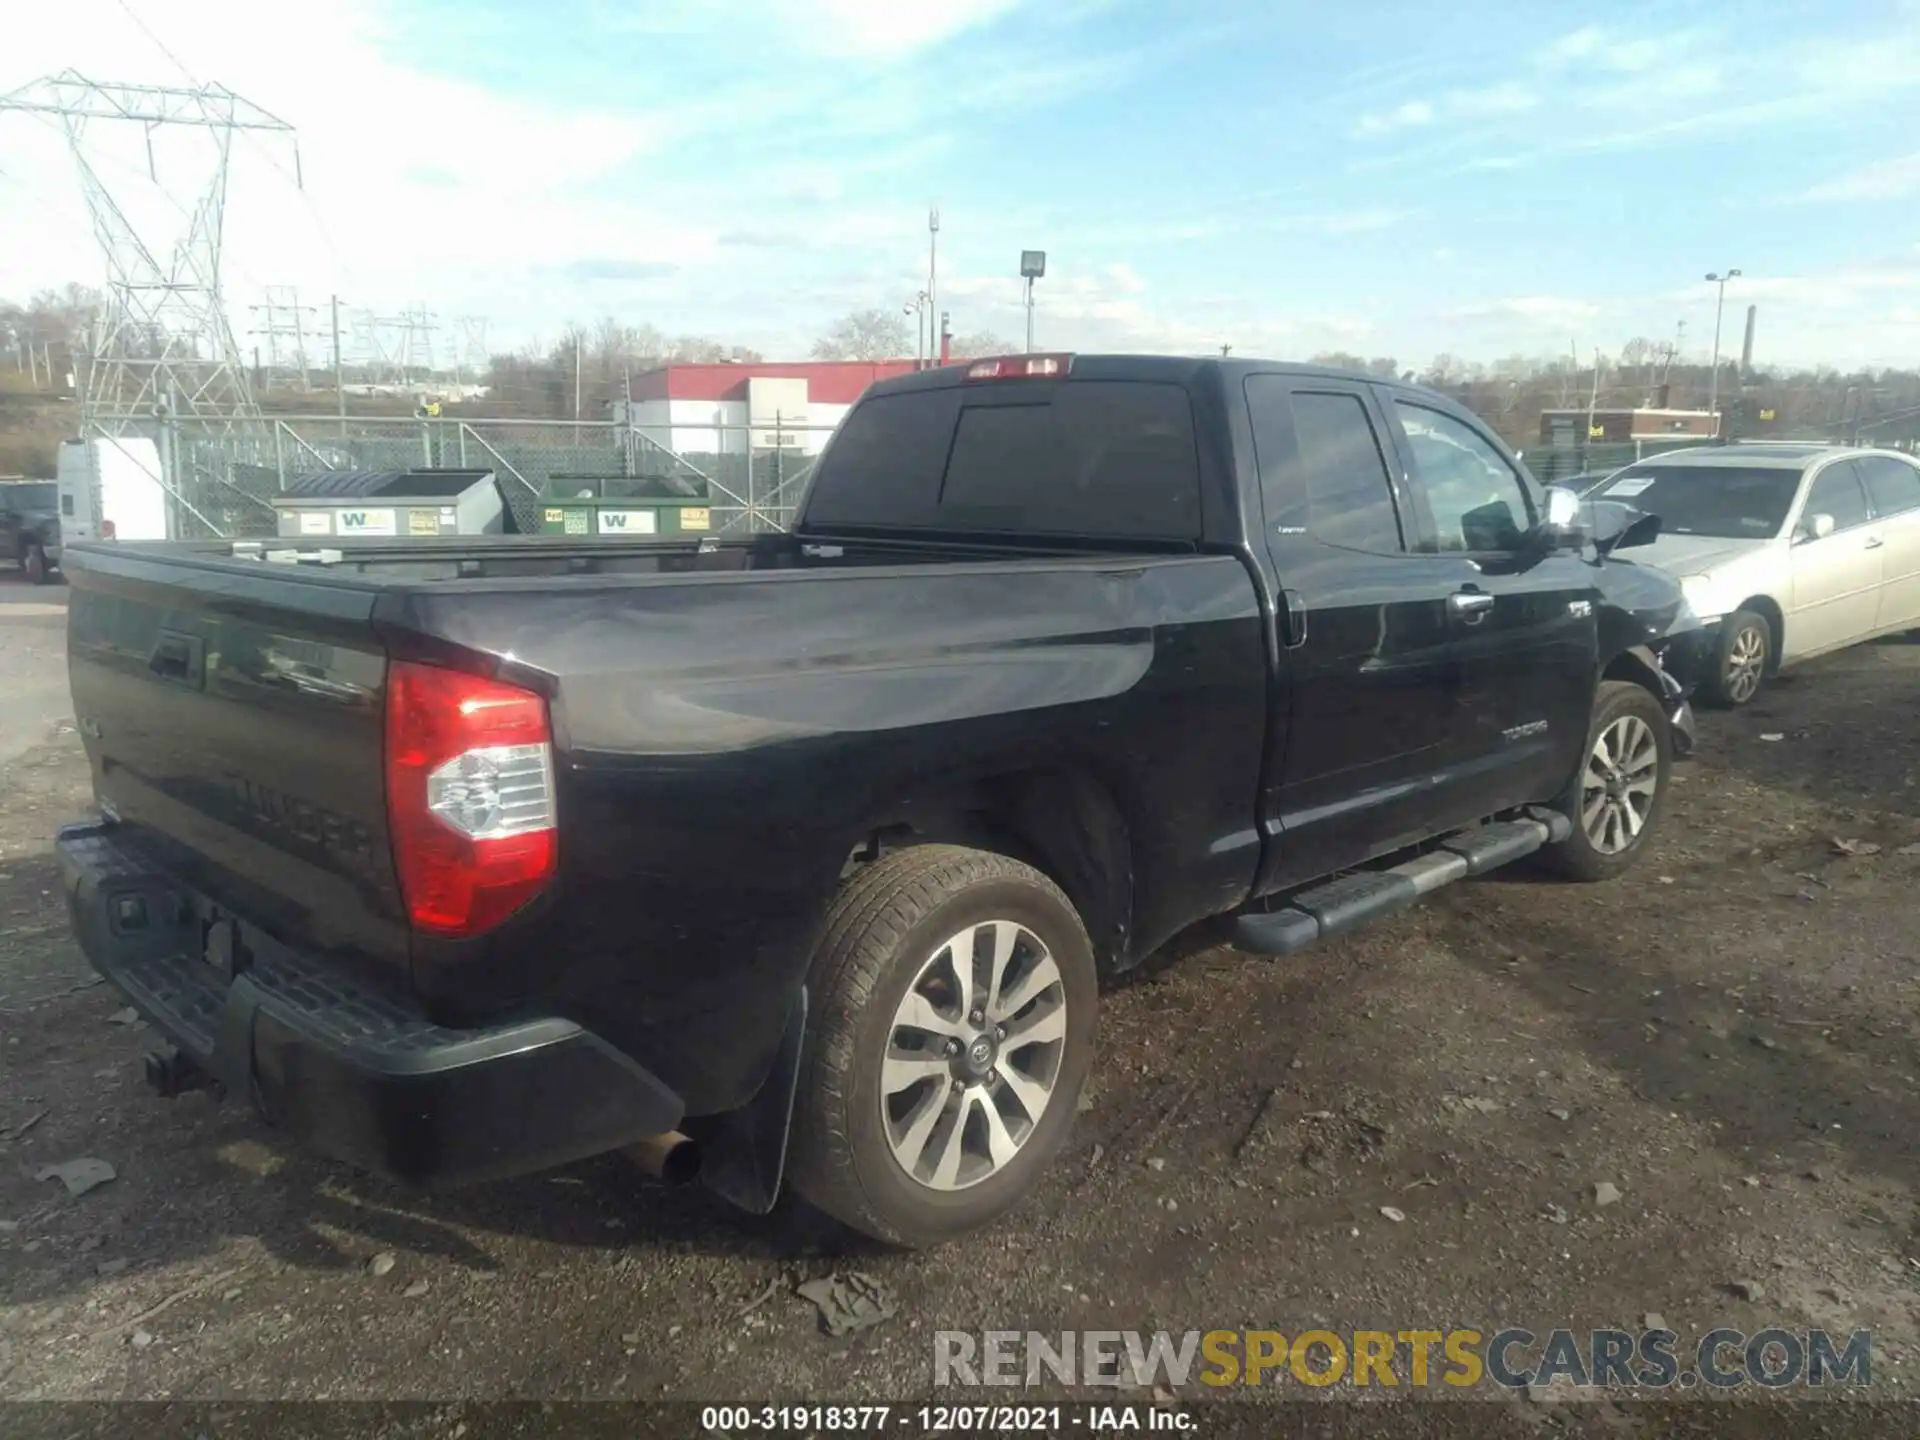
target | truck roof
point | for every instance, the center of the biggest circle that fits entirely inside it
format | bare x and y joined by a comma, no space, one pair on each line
1168,369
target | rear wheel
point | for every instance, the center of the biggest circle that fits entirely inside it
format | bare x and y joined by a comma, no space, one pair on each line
1616,797
1740,659
950,1037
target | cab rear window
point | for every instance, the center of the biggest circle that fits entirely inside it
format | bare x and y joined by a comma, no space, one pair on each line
1091,457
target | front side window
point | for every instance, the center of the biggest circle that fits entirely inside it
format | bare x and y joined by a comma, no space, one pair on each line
1475,497
1836,492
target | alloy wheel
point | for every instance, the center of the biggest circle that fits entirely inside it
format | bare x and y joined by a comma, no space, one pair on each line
1618,785
973,1055
1746,659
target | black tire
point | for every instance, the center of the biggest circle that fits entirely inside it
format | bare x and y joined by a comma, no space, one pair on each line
36,566
886,923
1728,684
1580,857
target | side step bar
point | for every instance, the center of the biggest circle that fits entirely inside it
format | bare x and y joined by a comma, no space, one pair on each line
1345,904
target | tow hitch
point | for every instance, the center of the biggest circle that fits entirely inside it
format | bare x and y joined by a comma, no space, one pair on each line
172,1074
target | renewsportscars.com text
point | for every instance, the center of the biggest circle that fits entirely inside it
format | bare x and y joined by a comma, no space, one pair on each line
1513,1358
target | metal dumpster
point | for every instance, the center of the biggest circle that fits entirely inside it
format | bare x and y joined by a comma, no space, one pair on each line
345,503
618,505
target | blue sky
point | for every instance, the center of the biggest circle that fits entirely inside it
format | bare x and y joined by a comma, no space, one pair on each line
1387,178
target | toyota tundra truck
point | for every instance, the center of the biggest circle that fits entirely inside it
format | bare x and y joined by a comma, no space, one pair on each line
799,859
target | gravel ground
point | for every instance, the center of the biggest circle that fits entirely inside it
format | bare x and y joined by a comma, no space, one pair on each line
1727,1038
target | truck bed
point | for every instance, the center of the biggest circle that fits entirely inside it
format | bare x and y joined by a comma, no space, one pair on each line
730,721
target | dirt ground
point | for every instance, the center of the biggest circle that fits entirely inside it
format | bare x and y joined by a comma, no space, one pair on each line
1728,1038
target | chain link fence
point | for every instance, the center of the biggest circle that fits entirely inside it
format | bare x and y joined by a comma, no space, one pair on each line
221,478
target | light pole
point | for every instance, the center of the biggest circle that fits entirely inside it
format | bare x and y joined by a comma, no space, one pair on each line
933,268
1033,265
917,308
1713,385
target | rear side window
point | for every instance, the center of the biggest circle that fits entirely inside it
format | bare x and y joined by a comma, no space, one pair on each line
1090,457
1893,485
1321,466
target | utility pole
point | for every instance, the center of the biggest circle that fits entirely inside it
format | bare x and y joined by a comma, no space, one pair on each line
1593,396
339,372
933,268
576,385
1713,384
626,438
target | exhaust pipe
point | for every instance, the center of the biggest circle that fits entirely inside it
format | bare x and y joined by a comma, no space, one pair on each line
669,1157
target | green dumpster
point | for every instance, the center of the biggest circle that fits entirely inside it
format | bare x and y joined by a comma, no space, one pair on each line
619,505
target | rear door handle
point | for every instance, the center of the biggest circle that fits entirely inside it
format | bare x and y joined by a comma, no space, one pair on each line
1874,544
1470,607
1296,633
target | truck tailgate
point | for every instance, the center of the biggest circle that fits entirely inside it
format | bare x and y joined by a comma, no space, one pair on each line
234,727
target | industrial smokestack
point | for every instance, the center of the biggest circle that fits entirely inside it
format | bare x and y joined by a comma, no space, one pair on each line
1746,346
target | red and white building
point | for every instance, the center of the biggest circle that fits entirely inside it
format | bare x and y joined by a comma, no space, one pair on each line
731,409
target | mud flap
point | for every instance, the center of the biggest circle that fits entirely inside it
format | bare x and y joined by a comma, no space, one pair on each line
744,1152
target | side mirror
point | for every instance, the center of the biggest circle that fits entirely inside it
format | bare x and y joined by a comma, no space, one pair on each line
1560,520
1815,527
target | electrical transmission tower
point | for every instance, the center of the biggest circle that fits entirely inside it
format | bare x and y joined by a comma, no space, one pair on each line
471,356
283,325
165,339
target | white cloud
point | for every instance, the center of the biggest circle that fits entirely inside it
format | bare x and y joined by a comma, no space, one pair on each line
1556,311
1594,48
1489,102
1509,98
1887,180
885,28
1412,115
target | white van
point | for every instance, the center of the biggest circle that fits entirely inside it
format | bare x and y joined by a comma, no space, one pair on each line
111,490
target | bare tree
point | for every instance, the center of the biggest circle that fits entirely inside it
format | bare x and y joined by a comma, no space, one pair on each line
977,343
1339,360
865,335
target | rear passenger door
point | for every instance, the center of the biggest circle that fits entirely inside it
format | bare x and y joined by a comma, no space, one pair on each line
1524,620
1835,577
1893,487
1370,674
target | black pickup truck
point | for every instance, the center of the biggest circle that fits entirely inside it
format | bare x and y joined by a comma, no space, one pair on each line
800,857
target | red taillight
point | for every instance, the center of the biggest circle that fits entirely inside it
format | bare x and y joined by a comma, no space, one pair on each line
1021,367
107,531
470,797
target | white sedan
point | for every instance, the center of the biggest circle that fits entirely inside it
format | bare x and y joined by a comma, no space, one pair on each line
1789,551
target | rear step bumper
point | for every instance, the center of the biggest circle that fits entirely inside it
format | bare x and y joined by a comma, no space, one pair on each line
355,1071
1345,904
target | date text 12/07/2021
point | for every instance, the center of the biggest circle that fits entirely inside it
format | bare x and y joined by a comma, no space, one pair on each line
1092,1419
